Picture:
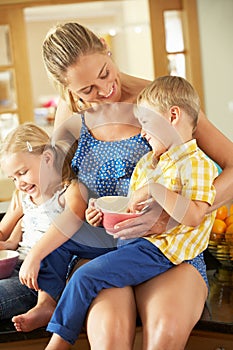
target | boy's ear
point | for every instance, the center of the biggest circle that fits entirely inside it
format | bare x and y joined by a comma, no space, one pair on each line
48,156
174,114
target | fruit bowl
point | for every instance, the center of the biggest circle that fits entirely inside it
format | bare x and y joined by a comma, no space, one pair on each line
8,260
221,237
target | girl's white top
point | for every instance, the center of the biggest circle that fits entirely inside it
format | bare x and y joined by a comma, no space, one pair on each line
36,220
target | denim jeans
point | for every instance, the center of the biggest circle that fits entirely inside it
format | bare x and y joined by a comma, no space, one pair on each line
130,264
15,298
88,242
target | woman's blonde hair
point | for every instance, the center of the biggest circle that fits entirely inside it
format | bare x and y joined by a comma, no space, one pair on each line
32,139
62,48
167,91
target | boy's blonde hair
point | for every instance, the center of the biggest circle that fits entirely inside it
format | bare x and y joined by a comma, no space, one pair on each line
32,139
62,48
167,91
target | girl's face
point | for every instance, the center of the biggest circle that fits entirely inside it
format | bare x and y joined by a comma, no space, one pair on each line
28,171
95,79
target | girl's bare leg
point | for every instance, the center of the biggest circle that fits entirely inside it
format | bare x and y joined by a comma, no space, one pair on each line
170,305
111,320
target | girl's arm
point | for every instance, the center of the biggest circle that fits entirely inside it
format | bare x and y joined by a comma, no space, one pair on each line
13,214
12,242
220,149
64,226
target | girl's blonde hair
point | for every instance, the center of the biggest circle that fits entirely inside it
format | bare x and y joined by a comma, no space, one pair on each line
32,139
62,48
167,91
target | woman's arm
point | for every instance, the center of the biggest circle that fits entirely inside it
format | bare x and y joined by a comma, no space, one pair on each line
13,214
220,149
63,228
12,242
67,126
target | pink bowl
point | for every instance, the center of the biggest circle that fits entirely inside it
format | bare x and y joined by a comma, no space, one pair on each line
114,211
8,260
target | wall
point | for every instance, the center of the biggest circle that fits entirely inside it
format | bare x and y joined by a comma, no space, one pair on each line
216,31
126,17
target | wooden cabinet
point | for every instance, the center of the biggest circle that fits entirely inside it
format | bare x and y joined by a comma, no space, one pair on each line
15,83
203,340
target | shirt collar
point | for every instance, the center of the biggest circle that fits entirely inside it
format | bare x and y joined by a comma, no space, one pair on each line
179,151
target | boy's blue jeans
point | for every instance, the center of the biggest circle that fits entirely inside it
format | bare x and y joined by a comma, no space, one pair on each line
89,242
129,265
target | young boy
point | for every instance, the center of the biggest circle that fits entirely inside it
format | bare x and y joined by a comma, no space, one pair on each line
179,177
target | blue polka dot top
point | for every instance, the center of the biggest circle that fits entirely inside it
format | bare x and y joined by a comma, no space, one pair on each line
105,167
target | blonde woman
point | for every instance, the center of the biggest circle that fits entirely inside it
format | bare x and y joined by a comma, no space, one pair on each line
176,174
96,109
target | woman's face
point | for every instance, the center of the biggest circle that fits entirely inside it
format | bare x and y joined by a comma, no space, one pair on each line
95,79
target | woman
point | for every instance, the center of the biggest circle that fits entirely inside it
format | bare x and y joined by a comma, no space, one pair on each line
169,305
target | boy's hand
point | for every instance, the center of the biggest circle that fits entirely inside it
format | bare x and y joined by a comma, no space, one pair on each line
138,199
94,216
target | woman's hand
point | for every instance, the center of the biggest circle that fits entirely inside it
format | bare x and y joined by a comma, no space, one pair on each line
154,221
29,271
94,216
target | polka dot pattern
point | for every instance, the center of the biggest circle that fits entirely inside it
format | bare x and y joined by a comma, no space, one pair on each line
106,167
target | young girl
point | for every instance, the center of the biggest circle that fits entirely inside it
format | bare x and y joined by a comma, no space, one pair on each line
178,176
47,207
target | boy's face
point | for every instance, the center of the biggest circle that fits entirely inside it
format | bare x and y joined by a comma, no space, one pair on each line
156,129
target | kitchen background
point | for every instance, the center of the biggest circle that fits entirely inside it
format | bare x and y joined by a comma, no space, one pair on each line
126,25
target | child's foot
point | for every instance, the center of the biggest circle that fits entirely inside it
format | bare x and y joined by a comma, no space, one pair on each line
37,317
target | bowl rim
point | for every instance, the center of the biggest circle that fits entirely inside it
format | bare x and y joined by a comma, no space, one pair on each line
15,254
108,210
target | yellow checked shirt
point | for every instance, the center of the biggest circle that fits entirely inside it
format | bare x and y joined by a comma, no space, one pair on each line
186,170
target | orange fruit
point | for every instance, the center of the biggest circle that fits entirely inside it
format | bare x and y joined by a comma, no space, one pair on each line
229,220
219,226
231,209
222,212
229,228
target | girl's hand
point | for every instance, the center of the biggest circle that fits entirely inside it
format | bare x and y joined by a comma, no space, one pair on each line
94,216
153,221
29,271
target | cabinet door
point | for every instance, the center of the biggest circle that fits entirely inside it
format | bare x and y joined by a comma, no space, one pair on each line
209,341
15,85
